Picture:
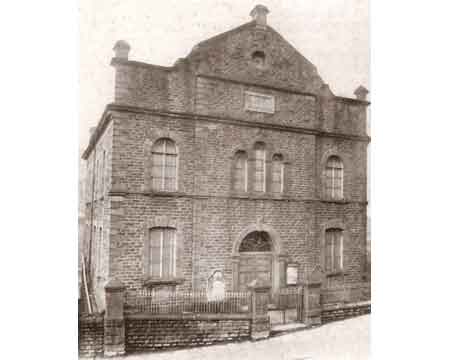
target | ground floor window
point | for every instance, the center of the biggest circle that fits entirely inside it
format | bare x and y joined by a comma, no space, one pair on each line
333,250
163,252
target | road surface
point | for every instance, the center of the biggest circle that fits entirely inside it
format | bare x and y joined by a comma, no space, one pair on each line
348,339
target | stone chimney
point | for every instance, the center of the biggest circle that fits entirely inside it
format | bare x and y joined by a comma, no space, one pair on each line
361,93
122,48
259,15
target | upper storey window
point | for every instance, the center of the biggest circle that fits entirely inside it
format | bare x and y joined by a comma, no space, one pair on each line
277,174
334,178
239,176
260,168
164,165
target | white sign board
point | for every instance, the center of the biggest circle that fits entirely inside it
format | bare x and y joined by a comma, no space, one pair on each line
259,102
291,274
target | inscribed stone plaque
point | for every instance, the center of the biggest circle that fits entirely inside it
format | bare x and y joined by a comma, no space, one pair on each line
259,102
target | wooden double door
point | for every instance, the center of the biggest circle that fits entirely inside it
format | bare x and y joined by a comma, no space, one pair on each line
255,266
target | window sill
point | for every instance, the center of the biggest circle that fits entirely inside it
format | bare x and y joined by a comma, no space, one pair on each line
335,201
152,281
165,193
258,195
240,194
336,273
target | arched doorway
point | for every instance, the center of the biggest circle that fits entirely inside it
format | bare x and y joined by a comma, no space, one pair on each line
255,259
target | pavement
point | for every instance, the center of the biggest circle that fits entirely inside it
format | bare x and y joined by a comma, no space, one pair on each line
346,340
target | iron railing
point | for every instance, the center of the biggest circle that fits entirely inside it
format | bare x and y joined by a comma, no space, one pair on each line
179,302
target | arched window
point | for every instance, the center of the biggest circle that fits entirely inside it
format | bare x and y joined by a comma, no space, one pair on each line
239,176
334,178
277,174
259,59
334,250
260,168
256,241
163,252
164,165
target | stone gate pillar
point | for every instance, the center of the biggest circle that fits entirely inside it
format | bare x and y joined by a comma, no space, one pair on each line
114,330
312,309
260,327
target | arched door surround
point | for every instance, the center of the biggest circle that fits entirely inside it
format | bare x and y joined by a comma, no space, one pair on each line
257,254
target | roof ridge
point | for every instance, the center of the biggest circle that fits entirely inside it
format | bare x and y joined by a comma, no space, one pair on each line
217,37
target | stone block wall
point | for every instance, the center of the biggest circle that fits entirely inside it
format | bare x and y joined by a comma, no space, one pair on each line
140,84
98,210
150,333
217,97
346,294
342,115
216,144
230,55
205,208
141,213
343,312
199,104
351,218
134,136
218,224
354,157
90,335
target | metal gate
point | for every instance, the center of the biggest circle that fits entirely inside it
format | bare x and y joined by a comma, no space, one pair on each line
286,306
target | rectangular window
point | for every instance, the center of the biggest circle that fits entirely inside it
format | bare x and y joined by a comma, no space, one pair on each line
99,250
164,166
277,177
93,254
97,188
103,172
162,252
171,172
157,171
240,172
334,178
333,250
260,170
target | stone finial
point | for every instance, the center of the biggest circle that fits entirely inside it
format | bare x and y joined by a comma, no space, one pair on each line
361,93
114,284
259,14
122,48
92,130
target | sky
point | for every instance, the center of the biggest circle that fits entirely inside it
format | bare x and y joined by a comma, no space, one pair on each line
332,34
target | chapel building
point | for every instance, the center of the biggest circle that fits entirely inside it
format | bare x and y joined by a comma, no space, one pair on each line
237,159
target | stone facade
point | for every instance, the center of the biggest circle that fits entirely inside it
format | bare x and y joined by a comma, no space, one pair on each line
149,334
345,312
90,335
199,103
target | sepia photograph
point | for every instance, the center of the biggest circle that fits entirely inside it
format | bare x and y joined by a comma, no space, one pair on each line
224,193
203,179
